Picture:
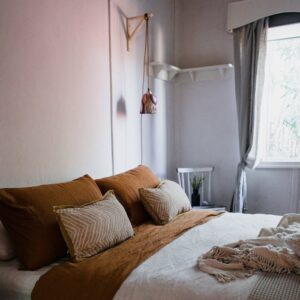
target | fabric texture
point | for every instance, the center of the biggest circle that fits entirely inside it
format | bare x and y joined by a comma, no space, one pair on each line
168,274
27,214
7,250
275,250
16,283
273,286
165,202
249,59
172,273
93,227
126,187
102,275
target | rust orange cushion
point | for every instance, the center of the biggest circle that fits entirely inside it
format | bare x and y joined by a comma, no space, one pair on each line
126,187
27,214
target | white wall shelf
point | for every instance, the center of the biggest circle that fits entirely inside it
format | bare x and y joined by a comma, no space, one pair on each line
172,73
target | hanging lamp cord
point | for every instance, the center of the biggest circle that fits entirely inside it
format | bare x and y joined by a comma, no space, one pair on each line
146,67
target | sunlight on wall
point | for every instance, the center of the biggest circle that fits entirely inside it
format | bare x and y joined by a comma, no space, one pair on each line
127,74
155,133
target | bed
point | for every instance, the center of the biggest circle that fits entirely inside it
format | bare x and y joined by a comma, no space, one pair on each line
127,236
171,273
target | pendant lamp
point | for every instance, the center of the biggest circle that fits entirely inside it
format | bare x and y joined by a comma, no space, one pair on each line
148,103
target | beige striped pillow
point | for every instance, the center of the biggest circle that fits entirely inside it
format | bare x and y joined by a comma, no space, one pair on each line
165,202
94,227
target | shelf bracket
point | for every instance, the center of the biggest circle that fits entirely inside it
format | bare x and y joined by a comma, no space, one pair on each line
131,33
192,75
222,72
172,74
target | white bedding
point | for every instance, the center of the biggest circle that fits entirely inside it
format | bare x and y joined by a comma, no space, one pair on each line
169,274
172,273
16,284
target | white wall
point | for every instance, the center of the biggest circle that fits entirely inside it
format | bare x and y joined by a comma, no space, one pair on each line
55,102
127,71
201,39
273,191
247,11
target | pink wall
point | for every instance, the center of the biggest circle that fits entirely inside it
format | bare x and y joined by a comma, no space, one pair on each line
55,96
56,108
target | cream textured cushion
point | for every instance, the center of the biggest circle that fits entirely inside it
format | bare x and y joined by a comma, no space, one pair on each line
94,227
165,202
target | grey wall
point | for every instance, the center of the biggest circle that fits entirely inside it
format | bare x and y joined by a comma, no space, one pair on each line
201,37
205,114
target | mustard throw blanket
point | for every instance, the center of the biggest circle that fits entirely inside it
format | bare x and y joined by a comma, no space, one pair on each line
275,250
100,276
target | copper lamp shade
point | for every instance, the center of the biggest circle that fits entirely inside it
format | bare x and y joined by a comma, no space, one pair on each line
148,103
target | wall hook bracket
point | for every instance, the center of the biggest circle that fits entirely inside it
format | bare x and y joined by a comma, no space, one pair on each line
131,32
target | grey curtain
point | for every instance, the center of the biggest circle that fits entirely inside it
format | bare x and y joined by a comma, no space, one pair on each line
249,57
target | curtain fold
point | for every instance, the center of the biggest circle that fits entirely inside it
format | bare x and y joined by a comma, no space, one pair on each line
250,43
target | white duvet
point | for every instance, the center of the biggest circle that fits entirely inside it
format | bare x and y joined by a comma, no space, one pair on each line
171,273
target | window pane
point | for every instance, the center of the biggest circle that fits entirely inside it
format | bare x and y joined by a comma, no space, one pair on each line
283,82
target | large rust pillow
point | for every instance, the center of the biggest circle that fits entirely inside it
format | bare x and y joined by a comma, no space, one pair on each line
27,214
126,187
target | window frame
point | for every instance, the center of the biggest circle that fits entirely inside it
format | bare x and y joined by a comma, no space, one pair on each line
284,163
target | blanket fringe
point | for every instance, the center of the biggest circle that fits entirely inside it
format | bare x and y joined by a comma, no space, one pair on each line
275,250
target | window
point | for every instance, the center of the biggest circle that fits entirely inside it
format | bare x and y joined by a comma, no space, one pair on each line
280,115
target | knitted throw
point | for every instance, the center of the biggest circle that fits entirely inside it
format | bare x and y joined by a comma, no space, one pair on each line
274,250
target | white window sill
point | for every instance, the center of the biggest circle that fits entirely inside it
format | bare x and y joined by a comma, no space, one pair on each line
278,165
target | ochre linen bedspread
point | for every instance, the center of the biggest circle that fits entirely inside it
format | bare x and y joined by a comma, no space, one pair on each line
100,277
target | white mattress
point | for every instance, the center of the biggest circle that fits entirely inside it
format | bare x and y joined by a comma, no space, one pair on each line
169,274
